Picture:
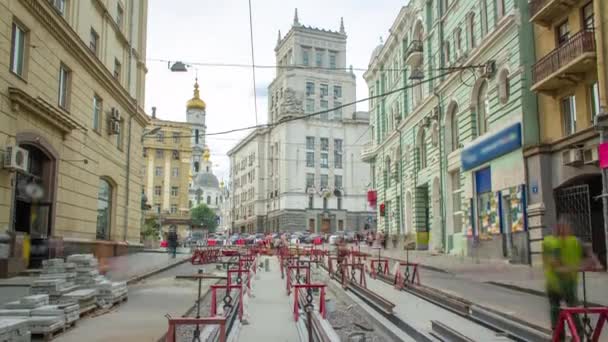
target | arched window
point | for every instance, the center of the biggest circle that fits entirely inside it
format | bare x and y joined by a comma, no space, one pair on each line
453,140
504,86
422,148
104,209
208,199
483,108
387,172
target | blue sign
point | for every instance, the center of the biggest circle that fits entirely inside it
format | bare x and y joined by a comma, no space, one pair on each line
489,148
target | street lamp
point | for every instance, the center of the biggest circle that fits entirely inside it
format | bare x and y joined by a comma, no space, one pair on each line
150,132
177,67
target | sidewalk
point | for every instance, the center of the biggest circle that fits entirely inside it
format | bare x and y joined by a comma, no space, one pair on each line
514,290
497,272
122,268
270,311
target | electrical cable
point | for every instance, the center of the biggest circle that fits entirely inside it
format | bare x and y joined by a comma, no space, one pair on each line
255,95
306,116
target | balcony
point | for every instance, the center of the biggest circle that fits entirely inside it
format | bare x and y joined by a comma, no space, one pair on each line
564,66
369,151
413,56
544,12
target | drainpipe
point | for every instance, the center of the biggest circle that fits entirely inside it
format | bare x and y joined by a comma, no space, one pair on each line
444,235
128,164
601,119
402,199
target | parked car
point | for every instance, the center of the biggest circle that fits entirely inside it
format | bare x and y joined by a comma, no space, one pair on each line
349,236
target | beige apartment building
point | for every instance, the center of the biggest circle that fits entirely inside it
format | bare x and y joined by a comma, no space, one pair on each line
167,173
72,82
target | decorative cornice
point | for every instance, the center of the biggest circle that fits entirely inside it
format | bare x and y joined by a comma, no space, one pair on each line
70,40
59,119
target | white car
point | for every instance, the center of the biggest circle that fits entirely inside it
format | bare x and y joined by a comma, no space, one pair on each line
294,240
333,239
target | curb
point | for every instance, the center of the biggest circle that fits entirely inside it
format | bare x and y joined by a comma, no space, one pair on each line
529,291
143,276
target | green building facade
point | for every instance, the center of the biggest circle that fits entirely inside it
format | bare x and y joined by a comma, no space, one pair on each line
448,130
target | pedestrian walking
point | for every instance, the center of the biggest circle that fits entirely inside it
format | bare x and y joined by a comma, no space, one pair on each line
172,241
563,257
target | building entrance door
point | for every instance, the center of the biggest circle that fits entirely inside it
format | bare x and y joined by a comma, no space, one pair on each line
326,226
576,203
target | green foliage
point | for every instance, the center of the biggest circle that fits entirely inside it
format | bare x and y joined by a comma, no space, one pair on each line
150,229
204,217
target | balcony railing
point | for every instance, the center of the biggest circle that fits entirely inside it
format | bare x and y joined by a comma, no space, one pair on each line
537,5
581,43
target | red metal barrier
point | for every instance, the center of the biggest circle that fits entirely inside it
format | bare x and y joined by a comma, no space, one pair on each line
216,320
407,277
214,289
566,318
205,255
297,269
296,305
348,274
378,266
240,272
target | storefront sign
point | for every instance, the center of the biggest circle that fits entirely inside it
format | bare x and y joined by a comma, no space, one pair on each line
603,155
500,143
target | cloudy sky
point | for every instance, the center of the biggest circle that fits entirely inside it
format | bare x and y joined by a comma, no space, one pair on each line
204,31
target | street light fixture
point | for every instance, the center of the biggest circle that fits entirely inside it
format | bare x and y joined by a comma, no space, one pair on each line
150,132
178,67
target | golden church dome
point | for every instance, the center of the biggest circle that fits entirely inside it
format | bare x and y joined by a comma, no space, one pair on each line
196,102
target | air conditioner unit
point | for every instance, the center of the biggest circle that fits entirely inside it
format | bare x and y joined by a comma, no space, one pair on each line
115,114
590,155
114,127
16,158
572,157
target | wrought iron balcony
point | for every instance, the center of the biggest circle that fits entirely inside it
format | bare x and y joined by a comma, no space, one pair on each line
545,12
413,56
564,65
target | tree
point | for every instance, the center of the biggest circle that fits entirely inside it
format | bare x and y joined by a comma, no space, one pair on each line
204,217
150,229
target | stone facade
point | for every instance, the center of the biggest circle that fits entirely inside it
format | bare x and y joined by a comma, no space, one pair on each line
168,156
563,168
434,112
305,172
73,96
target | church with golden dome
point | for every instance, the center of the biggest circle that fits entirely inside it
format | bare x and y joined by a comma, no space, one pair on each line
204,187
179,172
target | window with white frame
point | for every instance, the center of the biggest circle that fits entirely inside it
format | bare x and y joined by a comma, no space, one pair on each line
175,172
338,92
97,113
158,171
158,190
174,191
310,88
332,60
324,182
94,43
568,107
324,144
310,159
310,180
18,49
310,105
324,90
65,84
324,160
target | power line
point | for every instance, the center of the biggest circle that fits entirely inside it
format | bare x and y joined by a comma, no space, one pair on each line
299,67
306,116
255,95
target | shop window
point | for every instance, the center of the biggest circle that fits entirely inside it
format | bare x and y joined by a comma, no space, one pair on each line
104,209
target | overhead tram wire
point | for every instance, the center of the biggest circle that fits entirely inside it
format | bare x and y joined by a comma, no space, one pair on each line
306,116
255,95
300,67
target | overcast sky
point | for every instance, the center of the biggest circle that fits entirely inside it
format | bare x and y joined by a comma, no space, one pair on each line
204,31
